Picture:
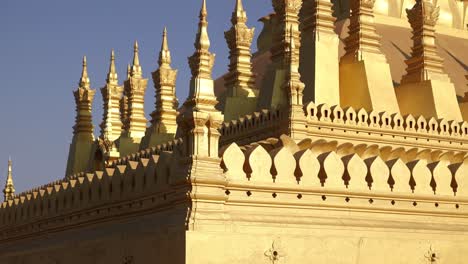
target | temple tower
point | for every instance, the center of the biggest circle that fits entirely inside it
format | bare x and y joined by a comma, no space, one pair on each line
365,78
199,124
273,94
426,89
134,122
319,65
111,126
164,118
9,190
83,137
241,98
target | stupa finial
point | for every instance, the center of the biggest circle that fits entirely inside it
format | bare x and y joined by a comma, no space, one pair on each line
9,190
165,54
112,77
136,68
84,80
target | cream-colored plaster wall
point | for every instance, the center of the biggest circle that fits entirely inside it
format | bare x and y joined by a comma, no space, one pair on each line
251,234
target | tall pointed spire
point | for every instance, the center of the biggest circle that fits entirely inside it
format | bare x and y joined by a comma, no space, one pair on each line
84,80
9,190
136,68
165,58
111,126
200,120
132,107
83,136
240,81
112,77
201,65
163,119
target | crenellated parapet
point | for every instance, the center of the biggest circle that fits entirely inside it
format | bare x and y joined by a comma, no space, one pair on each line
134,185
282,172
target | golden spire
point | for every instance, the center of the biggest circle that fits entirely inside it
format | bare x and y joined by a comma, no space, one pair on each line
134,124
363,37
165,54
163,118
129,69
111,126
136,68
240,81
112,77
200,104
9,190
424,60
201,62
83,137
84,80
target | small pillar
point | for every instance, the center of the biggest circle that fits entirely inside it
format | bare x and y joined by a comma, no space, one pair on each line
9,190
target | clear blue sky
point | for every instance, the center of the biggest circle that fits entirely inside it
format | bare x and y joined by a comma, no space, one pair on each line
41,46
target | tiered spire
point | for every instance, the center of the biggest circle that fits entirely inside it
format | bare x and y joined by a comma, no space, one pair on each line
134,121
319,46
273,94
201,96
240,81
163,123
9,190
363,38
362,62
111,126
200,121
426,89
136,71
83,136
424,61
84,99
241,95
